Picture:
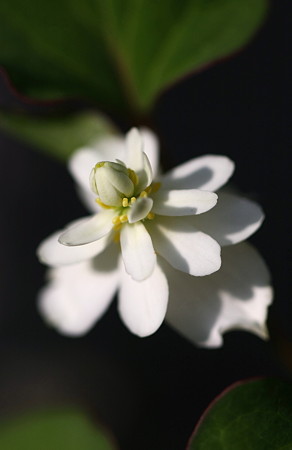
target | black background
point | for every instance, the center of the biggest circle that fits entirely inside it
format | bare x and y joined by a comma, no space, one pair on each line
150,392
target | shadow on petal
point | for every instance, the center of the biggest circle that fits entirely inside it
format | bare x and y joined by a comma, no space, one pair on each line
232,220
236,297
164,242
107,261
192,181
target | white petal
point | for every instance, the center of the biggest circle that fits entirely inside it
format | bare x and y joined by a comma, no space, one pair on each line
207,173
134,149
87,197
51,252
151,148
233,219
78,295
89,229
137,160
137,251
183,202
185,247
140,209
236,297
142,304
84,159
145,175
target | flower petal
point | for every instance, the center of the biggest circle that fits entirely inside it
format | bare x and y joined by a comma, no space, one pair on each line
183,202
151,149
137,160
88,199
233,219
134,149
51,252
207,173
185,247
145,175
140,209
84,159
78,295
142,304
236,297
137,251
89,229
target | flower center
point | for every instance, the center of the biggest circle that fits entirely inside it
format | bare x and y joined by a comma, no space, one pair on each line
121,189
127,203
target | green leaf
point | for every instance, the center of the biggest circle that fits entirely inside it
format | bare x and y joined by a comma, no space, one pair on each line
58,136
252,416
59,430
120,53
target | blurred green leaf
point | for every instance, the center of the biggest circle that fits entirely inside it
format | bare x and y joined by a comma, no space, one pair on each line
255,415
58,136
53,431
120,53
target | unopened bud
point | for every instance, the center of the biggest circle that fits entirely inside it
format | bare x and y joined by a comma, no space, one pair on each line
111,182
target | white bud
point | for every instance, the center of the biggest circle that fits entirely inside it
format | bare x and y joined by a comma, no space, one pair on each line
111,182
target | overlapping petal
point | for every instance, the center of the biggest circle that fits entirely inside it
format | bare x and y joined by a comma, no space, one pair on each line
140,209
183,202
78,295
89,229
142,304
235,297
184,247
137,251
51,252
151,149
207,173
233,219
137,160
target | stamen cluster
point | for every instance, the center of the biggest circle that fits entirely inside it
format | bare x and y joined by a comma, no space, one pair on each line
116,187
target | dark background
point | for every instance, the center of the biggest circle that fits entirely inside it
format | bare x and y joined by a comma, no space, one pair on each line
150,392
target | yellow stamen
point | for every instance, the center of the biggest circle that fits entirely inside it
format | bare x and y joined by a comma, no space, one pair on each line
100,203
99,164
143,194
155,186
148,189
117,227
116,220
124,218
150,216
133,176
125,202
133,199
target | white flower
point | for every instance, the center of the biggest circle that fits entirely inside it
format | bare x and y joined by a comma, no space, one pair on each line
156,239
